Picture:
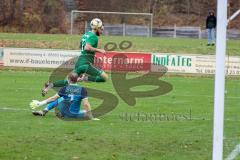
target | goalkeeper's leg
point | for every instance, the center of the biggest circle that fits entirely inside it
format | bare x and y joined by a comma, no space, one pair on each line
54,104
49,107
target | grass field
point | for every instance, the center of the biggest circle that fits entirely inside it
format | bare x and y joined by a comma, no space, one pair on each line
143,44
23,136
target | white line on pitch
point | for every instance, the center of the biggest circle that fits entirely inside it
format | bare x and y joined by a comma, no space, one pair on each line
234,153
14,109
196,118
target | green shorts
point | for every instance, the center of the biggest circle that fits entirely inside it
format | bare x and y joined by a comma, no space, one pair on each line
89,69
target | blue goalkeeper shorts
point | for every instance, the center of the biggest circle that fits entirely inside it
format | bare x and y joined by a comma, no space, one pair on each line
65,109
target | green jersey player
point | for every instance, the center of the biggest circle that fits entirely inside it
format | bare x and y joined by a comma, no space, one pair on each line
84,64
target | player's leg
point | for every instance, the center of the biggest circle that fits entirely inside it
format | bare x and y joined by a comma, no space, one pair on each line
65,109
39,113
96,74
50,85
87,115
61,83
82,115
45,110
101,78
79,69
49,107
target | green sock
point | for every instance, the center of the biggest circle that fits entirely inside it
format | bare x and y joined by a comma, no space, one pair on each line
96,79
60,83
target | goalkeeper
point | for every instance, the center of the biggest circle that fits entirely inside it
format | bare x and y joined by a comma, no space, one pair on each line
84,64
68,100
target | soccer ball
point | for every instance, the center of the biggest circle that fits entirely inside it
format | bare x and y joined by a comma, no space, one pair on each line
96,23
34,104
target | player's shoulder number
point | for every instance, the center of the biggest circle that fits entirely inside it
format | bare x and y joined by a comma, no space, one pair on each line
83,41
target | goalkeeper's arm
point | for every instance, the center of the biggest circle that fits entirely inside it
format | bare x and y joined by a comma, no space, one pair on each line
35,103
88,109
49,100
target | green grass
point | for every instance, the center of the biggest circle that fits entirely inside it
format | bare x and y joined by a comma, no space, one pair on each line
23,136
165,45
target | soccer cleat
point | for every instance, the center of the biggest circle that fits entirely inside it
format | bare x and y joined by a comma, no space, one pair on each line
82,78
45,90
95,119
40,113
46,87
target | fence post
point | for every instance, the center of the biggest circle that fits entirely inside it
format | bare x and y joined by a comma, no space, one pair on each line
86,26
71,23
149,33
175,31
199,33
124,29
151,29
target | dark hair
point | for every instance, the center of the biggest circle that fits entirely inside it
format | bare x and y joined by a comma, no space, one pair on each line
211,12
72,77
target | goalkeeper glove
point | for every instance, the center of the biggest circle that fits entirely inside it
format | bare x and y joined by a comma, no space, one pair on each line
35,104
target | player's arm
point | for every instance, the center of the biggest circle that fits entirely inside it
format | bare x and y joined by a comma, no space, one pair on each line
35,103
51,99
88,47
86,104
87,107
90,42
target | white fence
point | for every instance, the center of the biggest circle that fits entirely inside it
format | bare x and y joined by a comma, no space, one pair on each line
165,31
174,31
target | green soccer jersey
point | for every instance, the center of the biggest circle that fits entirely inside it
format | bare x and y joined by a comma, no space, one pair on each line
87,56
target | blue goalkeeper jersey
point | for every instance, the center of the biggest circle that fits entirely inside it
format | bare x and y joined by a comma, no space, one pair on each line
75,94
